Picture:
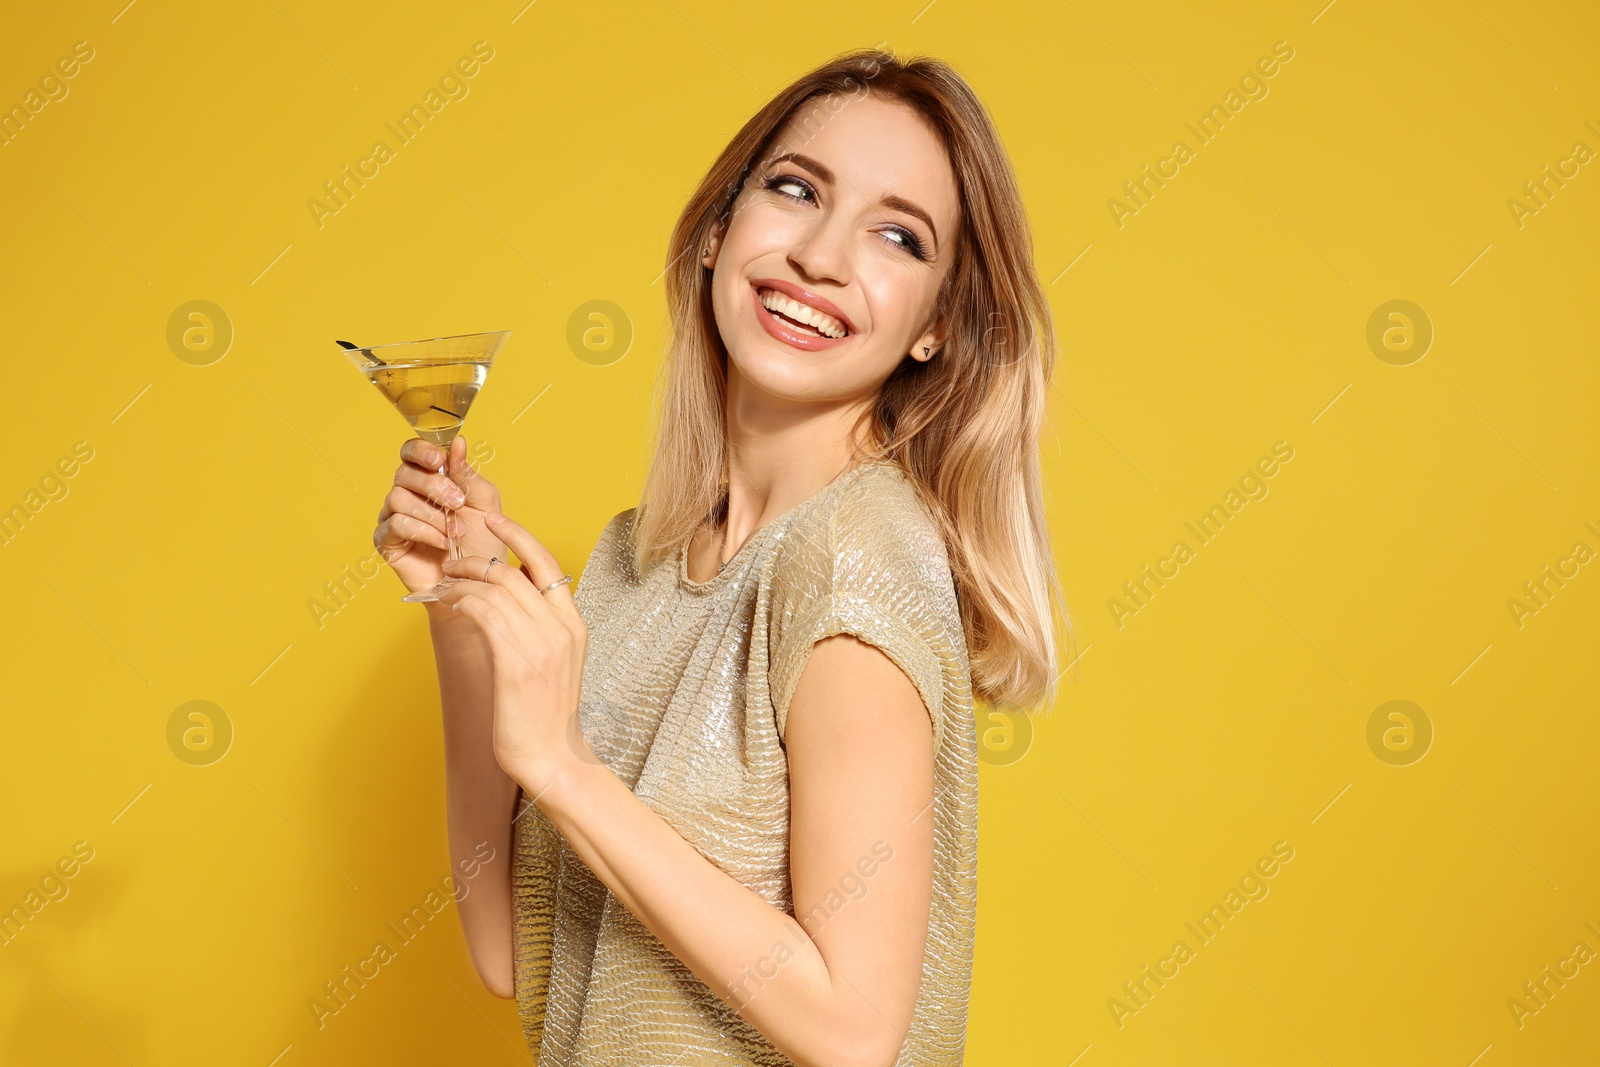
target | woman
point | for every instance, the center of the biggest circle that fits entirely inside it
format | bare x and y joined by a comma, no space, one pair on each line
736,777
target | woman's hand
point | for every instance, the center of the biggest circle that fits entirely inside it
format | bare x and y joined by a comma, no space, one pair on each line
537,643
411,526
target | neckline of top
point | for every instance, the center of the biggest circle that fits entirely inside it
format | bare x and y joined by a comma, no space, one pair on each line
759,534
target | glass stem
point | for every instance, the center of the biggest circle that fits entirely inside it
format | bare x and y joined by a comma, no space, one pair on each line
453,544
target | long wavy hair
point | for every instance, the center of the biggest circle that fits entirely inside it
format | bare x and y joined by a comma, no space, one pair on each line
963,425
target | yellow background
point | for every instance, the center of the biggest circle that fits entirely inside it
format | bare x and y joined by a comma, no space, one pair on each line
1228,314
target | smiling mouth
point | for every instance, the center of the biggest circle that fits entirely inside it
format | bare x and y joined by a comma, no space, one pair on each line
801,317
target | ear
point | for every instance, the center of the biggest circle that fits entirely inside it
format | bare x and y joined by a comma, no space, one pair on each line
713,243
931,341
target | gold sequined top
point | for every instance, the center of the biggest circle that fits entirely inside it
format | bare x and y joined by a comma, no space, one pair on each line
686,690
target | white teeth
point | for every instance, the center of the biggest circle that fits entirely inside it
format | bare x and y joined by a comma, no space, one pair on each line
826,325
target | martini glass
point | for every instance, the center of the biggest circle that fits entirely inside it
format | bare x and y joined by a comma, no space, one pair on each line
431,384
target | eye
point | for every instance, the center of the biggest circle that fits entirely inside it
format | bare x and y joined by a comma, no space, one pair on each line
899,236
908,241
781,183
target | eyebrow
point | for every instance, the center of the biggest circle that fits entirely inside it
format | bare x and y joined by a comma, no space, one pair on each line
897,203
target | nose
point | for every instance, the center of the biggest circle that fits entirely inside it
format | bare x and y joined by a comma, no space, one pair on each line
822,253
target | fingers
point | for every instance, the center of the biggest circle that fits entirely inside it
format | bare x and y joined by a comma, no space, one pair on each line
480,491
493,621
519,642
544,571
433,487
421,459
397,532
541,564
501,577
417,451
400,501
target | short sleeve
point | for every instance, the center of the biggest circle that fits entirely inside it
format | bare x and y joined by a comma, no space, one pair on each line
874,567
608,568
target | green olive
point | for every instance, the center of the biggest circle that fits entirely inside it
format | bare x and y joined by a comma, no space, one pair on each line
415,401
391,383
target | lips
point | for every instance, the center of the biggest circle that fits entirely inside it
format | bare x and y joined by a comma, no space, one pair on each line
787,331
805,296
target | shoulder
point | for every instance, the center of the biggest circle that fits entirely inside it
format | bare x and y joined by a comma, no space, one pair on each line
619,526
609,566
615,543
874,541
881,516
877,522
872,563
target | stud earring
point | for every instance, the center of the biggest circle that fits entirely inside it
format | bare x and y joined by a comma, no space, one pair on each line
926,350
705,251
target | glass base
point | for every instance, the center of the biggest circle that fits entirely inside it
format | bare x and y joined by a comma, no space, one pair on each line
427,596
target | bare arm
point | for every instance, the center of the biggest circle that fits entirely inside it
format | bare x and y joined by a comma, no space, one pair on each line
861,781
479,795
480,798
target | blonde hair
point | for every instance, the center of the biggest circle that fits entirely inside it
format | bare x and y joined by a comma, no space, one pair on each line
963,425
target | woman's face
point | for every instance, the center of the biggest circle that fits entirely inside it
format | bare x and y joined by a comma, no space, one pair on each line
853,233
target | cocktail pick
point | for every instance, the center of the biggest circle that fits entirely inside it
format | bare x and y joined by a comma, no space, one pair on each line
363,351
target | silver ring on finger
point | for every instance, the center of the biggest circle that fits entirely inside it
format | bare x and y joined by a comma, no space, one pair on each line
492,561
563,580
